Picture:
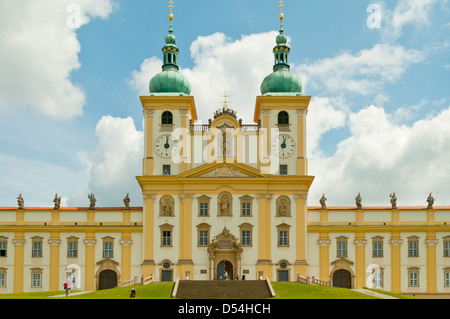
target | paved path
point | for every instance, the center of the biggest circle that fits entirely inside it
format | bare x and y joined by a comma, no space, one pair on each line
373,293
71,294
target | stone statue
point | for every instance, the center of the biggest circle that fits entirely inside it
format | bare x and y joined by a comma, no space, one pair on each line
224,204
166,206
57,201
126,201
322,201
20,201
283,207
92,201
167,209
358,200
393,200
430,201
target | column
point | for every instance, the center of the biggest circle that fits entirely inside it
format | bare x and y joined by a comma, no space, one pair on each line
302,162
126,242
54,242
265,143
148,265
19,243
148,164
264,263
185,142
89,281
396,243
360,260
324,256
431,241
301,265
185,263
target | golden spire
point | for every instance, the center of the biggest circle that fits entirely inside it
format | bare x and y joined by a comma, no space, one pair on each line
281,6
171,6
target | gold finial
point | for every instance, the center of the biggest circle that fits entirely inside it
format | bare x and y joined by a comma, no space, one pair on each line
225,102
171,6
281,6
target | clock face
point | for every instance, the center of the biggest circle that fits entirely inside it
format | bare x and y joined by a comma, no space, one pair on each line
166,146
283,145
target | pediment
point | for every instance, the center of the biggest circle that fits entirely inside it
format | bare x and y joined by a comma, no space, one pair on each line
223,170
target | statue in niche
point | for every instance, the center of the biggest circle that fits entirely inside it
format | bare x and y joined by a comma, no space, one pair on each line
92,201
430,201
283,207
126,201
20,202
358,200
224,204
57,202
322,201
393,200
167,206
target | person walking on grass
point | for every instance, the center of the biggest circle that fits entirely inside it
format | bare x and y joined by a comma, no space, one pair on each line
67,288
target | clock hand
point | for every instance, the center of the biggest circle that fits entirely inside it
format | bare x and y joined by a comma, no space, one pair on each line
283,145
166,146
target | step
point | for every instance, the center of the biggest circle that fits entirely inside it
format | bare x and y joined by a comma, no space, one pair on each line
232,289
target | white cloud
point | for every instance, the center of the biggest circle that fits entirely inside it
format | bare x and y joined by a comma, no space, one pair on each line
39,52
365,72
112,167
381,157
407,12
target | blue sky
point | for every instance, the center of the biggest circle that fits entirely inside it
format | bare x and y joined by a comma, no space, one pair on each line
71,120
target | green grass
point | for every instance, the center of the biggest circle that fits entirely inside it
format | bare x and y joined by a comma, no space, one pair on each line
164,291
299,291
399,296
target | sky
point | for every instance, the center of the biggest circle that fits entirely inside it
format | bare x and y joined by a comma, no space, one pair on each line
72,71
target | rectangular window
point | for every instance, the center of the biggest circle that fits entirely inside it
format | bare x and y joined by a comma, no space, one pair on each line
2,279
342,249
245,238
37,249
2,248
378,280
283,169
72,249
108,249
166,238
377,249
283,240
203,238
246,209
413,249
446,248
447,279
204,209
166,169
36,280
413,279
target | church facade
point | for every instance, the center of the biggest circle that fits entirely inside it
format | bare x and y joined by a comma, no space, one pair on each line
223,200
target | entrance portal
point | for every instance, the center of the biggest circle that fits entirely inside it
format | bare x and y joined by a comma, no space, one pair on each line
342,278
107,279
224,270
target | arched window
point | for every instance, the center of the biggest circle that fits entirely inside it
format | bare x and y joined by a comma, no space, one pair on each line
283,117
167,118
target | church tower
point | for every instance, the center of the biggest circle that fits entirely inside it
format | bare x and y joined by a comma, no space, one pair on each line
168,110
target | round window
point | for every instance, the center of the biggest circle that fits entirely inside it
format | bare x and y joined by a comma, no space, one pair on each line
283,265
166,265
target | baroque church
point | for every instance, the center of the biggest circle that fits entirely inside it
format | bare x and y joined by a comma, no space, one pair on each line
225,200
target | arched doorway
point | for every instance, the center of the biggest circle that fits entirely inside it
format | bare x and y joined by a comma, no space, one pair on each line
342,278
107,279
225,267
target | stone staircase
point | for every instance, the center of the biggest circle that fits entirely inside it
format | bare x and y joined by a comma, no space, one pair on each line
220,289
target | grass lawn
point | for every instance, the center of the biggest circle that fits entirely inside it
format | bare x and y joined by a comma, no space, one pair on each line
164,291
299,291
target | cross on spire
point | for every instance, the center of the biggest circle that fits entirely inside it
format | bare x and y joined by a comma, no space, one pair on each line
171,6
281,6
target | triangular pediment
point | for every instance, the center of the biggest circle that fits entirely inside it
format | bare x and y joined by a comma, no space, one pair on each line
223,170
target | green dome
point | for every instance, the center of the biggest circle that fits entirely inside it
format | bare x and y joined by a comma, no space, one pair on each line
170,81
281,81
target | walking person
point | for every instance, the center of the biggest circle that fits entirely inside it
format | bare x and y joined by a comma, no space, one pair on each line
67,288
